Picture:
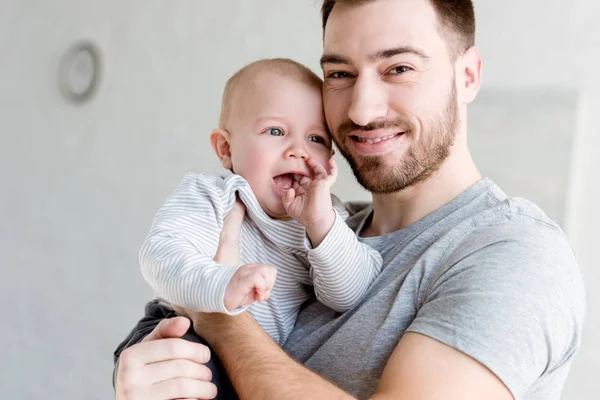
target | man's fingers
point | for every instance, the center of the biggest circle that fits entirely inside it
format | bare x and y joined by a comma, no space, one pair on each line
163,350
184,388
169,328
171,369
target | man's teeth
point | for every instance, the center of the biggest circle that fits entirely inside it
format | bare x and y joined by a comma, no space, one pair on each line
376,140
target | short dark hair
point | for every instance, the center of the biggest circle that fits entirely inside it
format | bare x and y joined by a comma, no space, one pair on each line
456,17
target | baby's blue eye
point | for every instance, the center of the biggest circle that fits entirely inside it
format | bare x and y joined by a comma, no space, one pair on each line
317,139
275,132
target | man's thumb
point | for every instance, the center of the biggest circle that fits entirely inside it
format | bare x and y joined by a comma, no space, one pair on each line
170,328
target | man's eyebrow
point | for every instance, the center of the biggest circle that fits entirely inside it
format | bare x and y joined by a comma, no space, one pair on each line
380,55
388,53
333,59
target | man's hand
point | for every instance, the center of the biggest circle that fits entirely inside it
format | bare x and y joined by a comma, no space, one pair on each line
164,367
250,283
309,201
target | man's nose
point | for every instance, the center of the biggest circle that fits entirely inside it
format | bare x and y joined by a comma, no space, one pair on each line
369,100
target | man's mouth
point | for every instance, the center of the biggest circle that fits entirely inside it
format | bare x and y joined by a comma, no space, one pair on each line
375,140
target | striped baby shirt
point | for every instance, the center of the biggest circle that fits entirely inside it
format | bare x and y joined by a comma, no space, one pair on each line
177,256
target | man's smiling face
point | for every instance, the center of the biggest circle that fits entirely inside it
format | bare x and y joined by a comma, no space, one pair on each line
390,93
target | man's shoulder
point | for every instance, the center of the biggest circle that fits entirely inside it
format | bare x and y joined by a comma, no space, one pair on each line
514,240
513,218
357,213
355,207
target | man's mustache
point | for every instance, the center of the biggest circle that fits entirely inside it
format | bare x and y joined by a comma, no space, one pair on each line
349,126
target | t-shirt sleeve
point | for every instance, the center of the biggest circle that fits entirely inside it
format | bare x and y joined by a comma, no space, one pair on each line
511,297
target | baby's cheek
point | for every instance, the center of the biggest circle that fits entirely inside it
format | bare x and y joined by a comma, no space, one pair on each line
323,157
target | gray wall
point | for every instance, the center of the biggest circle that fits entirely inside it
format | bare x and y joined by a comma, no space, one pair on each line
79,184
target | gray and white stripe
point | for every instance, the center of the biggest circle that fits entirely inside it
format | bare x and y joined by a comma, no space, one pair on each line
177,256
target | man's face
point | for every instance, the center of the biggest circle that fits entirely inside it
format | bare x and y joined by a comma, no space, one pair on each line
389,94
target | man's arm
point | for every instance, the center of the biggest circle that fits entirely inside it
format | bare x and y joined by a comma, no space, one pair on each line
472,338
420,368
257,366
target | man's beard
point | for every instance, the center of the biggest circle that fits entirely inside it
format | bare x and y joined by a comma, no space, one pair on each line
421,160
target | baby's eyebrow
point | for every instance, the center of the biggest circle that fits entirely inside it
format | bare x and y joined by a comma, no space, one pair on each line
270,118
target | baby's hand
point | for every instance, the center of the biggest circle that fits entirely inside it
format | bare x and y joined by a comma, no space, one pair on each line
250,283
309,201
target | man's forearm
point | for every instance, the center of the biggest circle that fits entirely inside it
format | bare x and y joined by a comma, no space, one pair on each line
258,368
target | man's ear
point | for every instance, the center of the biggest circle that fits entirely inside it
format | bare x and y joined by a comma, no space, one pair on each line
219,140
469,77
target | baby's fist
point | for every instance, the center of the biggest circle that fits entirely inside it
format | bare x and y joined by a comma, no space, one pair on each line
250,283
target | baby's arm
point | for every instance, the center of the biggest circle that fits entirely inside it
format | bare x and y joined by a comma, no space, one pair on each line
342,268
177,256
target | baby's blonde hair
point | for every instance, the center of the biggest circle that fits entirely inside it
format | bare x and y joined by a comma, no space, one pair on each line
245,76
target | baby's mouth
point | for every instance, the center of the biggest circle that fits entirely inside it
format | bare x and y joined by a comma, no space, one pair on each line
284,181
288,180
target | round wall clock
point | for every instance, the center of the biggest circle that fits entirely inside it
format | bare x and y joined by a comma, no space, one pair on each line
79,72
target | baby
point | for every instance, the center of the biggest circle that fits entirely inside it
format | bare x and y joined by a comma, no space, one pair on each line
274,143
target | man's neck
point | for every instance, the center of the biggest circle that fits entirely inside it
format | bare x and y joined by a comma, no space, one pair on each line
395,211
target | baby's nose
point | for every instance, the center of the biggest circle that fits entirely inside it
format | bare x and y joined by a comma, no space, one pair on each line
296,152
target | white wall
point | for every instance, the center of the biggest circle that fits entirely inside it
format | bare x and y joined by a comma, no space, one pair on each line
554,44
79,184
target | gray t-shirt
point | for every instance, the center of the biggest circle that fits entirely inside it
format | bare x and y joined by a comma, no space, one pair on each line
489,275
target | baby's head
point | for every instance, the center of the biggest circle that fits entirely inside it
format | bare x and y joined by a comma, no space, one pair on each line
271,122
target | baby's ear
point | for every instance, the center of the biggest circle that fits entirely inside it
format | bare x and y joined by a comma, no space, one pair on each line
219,140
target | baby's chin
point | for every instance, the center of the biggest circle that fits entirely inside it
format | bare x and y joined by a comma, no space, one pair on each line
276,212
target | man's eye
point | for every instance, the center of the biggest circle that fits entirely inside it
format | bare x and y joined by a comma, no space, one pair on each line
338,75
400,70
275,132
